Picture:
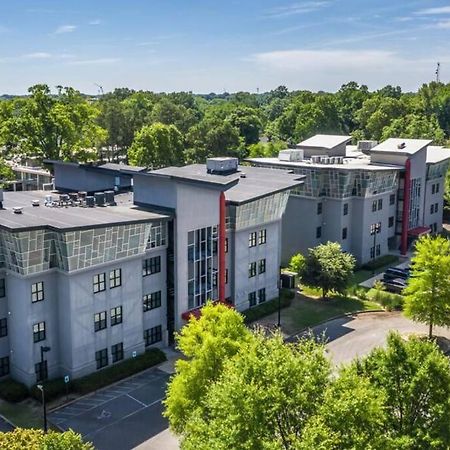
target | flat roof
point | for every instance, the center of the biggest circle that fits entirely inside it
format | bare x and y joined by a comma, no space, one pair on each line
247,184
113,167
408,146
436,154
71,217
328,141
349,164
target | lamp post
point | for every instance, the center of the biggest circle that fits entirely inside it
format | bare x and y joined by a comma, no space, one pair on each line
41,388
43,377
279,298
376,230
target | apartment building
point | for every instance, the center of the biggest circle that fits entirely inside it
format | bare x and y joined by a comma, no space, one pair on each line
89,280
372,198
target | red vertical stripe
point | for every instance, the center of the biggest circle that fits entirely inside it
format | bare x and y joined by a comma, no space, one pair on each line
222,236
405,216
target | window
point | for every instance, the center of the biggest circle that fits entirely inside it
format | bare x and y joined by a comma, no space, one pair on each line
261,295
433,189
262,238
372,252
41,371
432,209
345,209
318,232
37,292
344,233
151,301
252,299
391,221
2,288
3,327
375,228
374,206
436,205
101,358
116,316
117,352
392,199
115,278
261,266
437,188
39,332
226,276
378,250
252,269
226,245
435,227
380,204
151,266
100,321
153,335
99,282
4,366
252,239
319,208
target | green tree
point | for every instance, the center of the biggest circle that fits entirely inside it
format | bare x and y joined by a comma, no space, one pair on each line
263,399
414,377
427,296
350,99
248,123
297,264
328,268
156,146
6,173
20,439
61,127
206,344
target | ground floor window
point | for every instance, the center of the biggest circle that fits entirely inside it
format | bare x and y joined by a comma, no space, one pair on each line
117,352
153,335
41,371
252,299
101,358
4,366
261,295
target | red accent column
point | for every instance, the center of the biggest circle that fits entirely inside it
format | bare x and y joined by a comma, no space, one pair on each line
405,216
222,236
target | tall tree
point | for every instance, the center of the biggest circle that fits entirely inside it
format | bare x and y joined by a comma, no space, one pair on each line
427,296
328,268
156,146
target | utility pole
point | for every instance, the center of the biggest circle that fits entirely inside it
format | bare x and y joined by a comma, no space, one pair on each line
438,72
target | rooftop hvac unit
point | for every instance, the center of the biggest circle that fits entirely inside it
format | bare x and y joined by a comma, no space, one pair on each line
109,198
90,201
35,202
291,155
99,198
48,199
324,160
316,159
339,160
82,195
17,209
366,146
222,165
64,198
73,196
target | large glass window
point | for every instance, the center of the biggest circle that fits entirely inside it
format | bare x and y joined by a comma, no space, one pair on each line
380,204
261,295
391,222
4,366
261,266
318,232
151,301
3,327
39,332
392,199
345,212
117,352
99,282
116,315
252,299
101,358
252,269
153,335
151,266
37,292
115,278
344,233
41,371
100,321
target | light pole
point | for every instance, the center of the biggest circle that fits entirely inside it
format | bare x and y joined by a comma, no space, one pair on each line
41,388
279,298
376,230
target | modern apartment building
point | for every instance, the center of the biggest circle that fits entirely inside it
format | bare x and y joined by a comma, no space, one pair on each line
371,198
86,281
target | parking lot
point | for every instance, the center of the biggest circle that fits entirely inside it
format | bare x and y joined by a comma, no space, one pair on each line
119,417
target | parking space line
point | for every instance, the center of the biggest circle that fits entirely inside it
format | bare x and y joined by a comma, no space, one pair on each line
136,400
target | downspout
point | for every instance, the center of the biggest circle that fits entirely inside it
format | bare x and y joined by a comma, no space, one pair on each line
222,237
405,215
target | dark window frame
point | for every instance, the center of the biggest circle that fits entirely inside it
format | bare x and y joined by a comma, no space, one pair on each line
318,232
319,208
99,282
153,335
345,209
4,366
262,295
151,266
151,301
39,332
37,292
380,204
2,287
252,239
392,199
344,233
41,371
252,299
252,269
117,352
101,358
100,321
262,266
3,327
115,278
116,315
262,236
391,221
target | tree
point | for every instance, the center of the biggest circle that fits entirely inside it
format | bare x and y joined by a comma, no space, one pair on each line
248,123
61,127
156,146
297,264
427,296
414,377
206,343
328,268
35,439
6,173
263,399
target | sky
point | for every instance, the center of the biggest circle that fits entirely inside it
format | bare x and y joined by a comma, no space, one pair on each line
216,45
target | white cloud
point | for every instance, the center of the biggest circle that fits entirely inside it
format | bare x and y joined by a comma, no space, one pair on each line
37,55
98,61
95,22
433,11
65,29
295,9
443,24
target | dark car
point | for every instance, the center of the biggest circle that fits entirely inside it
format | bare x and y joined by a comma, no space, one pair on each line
393,273
395,285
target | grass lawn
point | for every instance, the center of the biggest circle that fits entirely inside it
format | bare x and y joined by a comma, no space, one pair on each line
27,414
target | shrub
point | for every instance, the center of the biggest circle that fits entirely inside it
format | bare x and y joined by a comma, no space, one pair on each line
13,391
266,308
360,293
380,262
388,300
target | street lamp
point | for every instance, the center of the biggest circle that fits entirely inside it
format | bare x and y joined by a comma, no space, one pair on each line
41,388
376,230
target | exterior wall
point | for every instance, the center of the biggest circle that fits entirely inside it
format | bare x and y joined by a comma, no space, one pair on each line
154,191
243,255
4,341
435,198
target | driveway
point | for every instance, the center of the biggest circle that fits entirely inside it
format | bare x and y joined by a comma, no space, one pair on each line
357,335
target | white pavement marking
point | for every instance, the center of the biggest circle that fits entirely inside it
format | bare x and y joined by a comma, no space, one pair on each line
136,400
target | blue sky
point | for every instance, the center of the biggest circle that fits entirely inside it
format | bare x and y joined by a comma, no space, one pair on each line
204,46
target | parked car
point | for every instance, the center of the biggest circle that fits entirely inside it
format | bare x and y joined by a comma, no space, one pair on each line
393,273
395,285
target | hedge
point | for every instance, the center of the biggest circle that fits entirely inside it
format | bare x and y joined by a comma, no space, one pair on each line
89,383
380,262
13,391
266,308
